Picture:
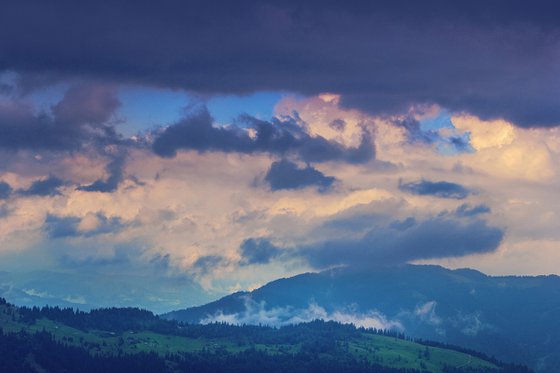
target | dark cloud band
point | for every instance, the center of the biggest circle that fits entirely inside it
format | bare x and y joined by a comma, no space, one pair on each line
492,58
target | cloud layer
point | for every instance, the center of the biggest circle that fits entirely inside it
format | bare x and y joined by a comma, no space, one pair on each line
402,132
240,204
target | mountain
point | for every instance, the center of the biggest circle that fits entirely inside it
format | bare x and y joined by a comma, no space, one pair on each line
51,339
83,290
513,318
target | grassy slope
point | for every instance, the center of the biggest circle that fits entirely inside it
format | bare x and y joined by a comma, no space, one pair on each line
387,351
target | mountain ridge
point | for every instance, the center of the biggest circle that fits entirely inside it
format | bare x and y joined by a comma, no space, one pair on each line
462,306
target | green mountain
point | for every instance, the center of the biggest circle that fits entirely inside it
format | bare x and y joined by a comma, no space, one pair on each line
127,339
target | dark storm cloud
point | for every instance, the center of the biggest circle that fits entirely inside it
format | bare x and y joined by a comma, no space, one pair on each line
287,175
258,251
79,118
441,189
278,137
115,170
434,238
467,211
44,188
5,190
68,226
494,58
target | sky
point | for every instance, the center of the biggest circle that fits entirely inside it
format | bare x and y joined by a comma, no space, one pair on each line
168,154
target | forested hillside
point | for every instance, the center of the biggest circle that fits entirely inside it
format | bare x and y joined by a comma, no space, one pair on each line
116,340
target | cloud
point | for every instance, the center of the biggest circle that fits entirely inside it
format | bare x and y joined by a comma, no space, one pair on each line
44,188
87,103
259,314
429,239
278,137
111,257
458,144
4,211
115,170
57,227
381,56
338,125
21,128
384,242
441,189
404,224
197,132
467,211
5,190
258,251
446,139
415,133
207,263
470,324
79,119
427,313
287,175
74,226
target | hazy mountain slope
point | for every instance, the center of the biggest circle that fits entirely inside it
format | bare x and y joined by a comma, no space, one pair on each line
513,318
87,290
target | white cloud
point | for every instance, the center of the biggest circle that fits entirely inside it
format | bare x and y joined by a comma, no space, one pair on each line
427,313
258,314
